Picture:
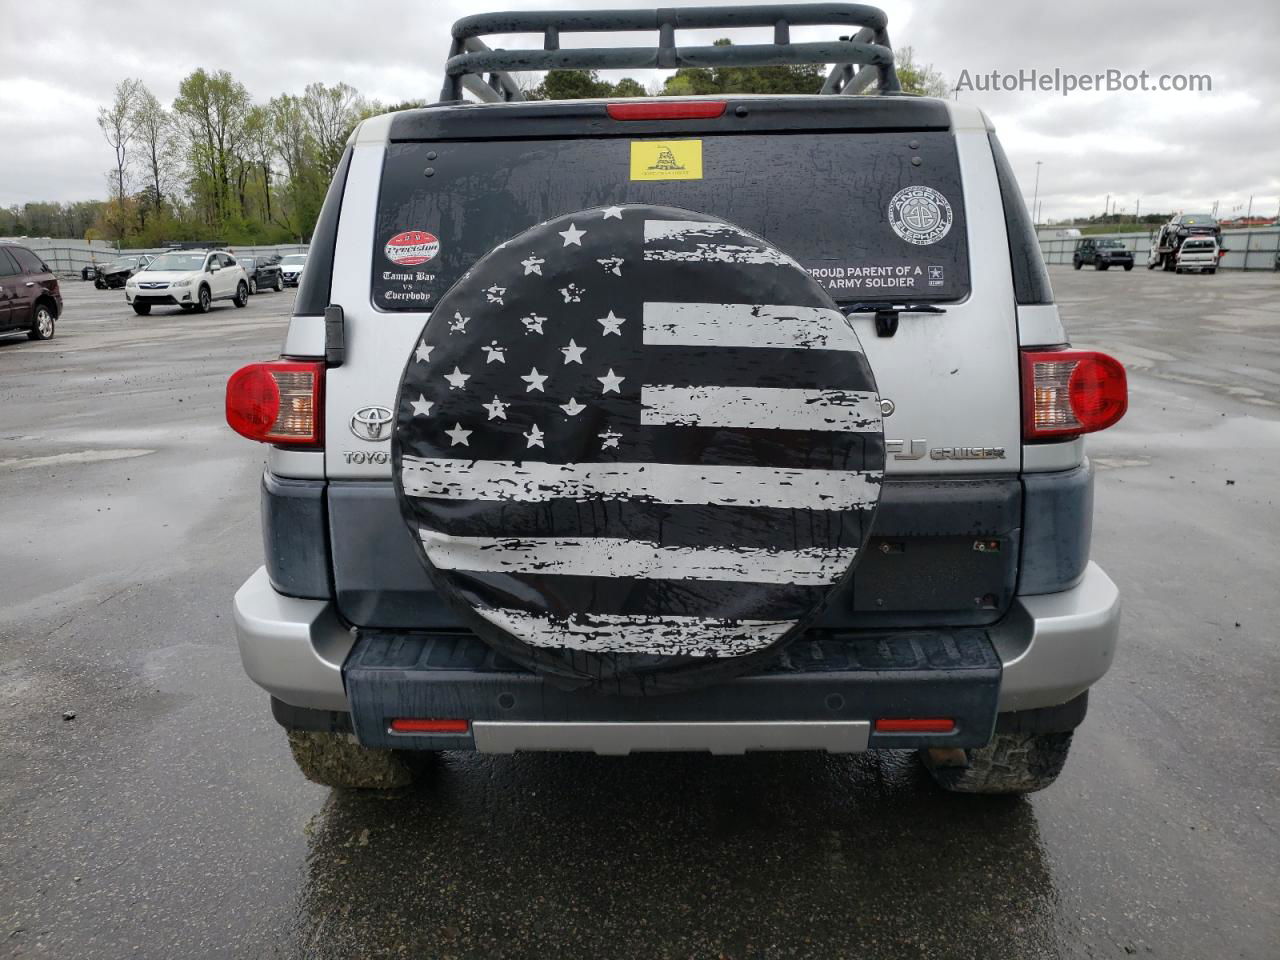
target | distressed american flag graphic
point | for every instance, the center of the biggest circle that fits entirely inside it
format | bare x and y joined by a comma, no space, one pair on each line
639,430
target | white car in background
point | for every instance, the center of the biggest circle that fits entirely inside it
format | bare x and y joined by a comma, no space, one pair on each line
291,268
190,279
1199,254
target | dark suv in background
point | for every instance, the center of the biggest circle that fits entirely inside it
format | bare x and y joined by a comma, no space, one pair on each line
1102,254
29,295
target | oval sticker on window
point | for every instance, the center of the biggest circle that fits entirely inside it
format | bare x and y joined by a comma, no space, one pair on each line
411,248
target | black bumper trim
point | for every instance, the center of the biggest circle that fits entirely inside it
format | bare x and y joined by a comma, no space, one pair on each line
826,675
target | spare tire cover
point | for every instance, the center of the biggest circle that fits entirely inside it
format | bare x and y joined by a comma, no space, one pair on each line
638,448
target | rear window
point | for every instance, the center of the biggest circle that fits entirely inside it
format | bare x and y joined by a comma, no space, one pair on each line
852,208
28,261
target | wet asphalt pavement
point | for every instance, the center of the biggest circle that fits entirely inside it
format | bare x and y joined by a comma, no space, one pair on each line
167,820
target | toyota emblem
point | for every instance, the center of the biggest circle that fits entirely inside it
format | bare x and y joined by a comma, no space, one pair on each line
372,423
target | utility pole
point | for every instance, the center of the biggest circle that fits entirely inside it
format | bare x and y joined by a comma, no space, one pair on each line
1249,215
1036,193
1137,211
1106,207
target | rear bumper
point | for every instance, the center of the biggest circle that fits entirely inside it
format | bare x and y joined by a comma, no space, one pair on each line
1050,648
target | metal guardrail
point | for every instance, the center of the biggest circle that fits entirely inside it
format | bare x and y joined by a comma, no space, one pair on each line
1247,249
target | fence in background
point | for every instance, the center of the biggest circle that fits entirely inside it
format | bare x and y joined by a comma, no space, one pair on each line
68,257
1246,249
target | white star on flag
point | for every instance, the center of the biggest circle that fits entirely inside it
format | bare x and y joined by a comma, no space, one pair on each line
533,323
533,436
422,406
572,293
459,324
610,438
497,409
573,407
615,212
494,294
612,265
458,436
532,265
611,382
573,235
457,379
573,353
611,324
494,352
535,380
423,353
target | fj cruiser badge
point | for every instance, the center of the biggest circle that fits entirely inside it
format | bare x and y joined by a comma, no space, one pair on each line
411,248
372,423
920,215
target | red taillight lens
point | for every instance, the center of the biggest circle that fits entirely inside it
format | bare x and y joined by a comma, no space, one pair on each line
427,725
670,110
915,725
1069,392
277,402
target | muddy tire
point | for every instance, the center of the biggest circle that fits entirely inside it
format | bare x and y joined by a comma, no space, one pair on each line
1010,763
337,760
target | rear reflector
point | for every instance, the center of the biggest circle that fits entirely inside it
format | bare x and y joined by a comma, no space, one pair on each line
915,725
277,402
424,725
672,110
1069,392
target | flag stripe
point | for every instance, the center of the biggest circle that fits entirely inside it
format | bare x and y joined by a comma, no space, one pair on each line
643,559
533,481
694,241
747,325
676,525
813,369
760,408
562,595
670,635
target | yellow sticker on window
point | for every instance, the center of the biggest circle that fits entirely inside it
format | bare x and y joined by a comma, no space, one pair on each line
666,159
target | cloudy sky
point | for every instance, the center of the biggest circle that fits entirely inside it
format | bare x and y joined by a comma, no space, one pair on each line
1170,150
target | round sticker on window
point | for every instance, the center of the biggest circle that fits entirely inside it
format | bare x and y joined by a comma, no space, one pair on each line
411,248
920,215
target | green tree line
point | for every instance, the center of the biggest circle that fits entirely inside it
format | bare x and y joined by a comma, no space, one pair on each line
216,165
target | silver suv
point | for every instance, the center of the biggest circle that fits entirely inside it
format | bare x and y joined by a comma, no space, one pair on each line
718,424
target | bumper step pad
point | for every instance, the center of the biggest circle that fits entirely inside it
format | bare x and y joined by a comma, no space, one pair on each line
822,678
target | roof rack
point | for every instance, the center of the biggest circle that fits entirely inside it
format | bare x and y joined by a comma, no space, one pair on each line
859,60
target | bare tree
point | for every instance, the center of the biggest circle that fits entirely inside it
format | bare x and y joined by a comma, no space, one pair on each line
331,113
116,122
154,129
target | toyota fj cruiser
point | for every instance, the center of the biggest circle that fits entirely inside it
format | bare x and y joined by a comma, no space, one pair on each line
716,424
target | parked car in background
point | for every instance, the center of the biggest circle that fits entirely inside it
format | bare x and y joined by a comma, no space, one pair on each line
114,274
1199,254
263,273
29,296
291,268
1102,254
190,279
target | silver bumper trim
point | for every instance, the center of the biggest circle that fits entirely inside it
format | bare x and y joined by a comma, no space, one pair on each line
619,739
294,649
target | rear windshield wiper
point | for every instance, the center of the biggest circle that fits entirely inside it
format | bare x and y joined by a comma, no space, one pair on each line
887,312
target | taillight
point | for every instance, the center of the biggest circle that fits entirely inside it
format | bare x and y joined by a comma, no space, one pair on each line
428,725
668,110
1069,392
277,402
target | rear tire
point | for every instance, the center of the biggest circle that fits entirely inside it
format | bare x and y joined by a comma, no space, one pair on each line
1211,271
1076,264
1010,763
279,284
42,323
142,309
1128,267
338,760
253,286
241,299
